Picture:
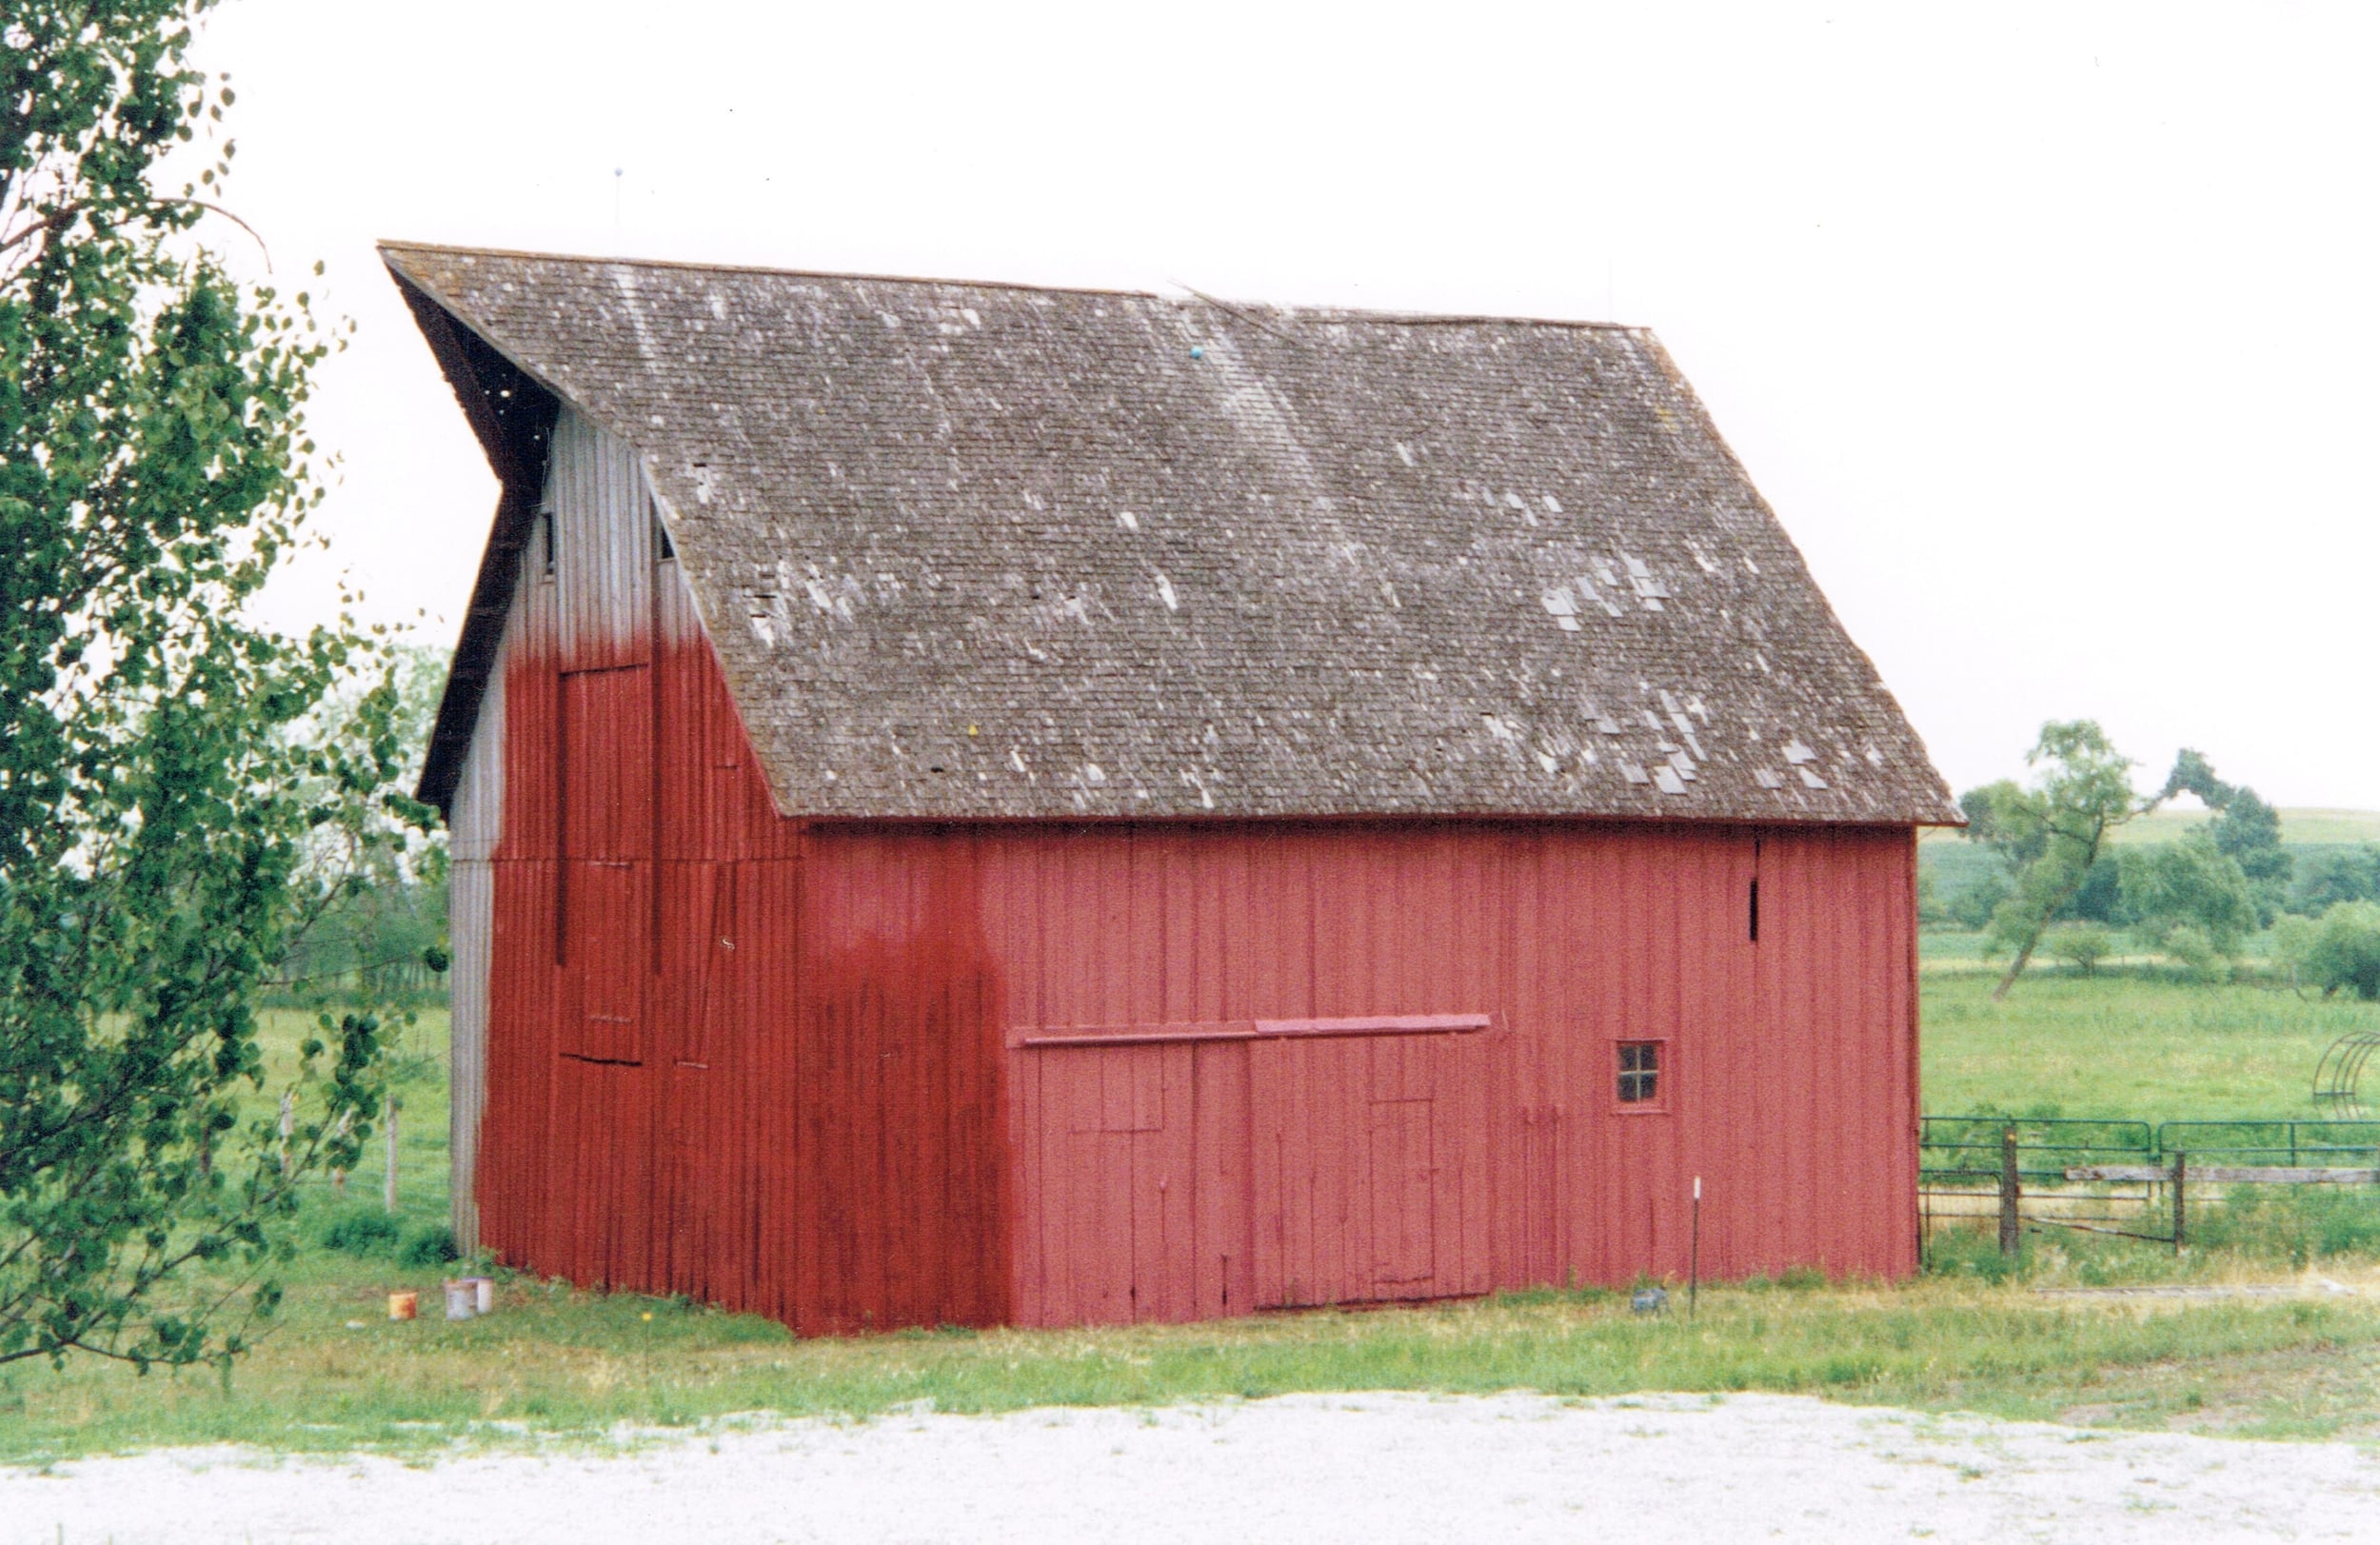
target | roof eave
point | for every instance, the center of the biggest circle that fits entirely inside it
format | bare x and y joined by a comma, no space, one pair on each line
512,414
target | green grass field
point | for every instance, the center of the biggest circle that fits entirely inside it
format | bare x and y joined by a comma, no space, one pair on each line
2125,1045
559,1364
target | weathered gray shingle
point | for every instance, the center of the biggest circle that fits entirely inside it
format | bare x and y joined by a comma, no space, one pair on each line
978,551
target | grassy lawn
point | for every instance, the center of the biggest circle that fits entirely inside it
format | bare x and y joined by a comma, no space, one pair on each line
335,1375
576,1366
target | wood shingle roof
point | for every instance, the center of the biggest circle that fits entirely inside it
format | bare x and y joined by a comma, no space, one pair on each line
987,551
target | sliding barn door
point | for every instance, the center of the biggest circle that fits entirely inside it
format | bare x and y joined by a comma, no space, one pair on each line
1182,1172
1370,1168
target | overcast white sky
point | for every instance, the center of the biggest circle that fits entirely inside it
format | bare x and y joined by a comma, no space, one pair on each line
2050,331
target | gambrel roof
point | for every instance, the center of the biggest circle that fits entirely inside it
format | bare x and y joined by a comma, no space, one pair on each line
971,550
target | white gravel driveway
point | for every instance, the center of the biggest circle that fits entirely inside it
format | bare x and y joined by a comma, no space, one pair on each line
1370,1468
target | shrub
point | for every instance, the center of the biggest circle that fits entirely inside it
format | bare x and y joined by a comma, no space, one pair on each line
432,1245
2200,957
2341,949
2082,945
361,1233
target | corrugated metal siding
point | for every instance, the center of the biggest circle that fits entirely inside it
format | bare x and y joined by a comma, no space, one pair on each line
474,832
603,545
471,924
818,1116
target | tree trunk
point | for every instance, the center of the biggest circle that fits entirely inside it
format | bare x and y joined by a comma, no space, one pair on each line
2016,966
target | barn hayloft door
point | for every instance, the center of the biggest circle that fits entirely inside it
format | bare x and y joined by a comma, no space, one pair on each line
606,927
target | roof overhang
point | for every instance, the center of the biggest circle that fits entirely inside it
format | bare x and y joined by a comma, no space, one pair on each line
512,414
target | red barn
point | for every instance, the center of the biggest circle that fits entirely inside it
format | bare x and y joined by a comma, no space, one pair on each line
975,803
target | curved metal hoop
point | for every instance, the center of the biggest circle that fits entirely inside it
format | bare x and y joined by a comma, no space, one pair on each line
2340,1070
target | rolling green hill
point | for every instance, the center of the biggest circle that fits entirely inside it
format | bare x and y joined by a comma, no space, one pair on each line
1954,864
2302,827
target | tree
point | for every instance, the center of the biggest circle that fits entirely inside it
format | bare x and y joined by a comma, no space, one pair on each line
2100,897
2344,874
381,930
2244,828
1973,906
2052,833
2189,900
159,808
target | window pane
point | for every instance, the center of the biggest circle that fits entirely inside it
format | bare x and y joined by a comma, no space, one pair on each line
1639,1071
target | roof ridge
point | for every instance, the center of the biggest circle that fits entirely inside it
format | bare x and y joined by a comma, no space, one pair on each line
385,245
1291,311
1437,319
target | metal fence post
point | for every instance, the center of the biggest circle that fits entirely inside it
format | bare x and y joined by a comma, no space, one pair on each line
2010,1197
2181,1208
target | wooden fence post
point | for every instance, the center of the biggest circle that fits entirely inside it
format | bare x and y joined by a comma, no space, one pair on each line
2181,1207
2011,1224
388,1182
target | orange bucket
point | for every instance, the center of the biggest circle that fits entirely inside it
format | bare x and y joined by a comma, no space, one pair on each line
404,1305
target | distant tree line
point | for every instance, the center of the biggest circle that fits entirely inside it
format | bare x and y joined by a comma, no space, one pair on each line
2056,884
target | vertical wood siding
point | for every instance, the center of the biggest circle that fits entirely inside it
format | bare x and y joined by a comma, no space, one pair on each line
768,1063
1786,1070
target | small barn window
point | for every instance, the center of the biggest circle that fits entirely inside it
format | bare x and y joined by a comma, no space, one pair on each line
1640,1072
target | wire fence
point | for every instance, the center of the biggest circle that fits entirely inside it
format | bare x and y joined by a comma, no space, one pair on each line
2127,1177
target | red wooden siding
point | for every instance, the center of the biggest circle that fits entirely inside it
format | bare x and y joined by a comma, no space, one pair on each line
768,1063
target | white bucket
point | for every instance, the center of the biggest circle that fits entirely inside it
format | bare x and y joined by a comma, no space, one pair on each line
462,1299
484,1298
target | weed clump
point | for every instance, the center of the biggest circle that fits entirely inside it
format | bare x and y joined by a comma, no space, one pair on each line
1970,1254
2299,1224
